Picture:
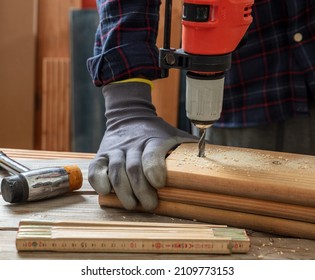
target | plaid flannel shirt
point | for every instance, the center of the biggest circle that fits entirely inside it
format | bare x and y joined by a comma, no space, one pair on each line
125,43
272,77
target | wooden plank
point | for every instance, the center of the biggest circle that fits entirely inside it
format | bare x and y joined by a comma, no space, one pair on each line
69,207
56,104
53,41
240,204
235,174
261,223
265,175
124,224
39,154
72,206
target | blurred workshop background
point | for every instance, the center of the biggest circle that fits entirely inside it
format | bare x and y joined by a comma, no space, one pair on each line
47,99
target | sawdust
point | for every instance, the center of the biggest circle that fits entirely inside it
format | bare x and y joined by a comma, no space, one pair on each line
245,160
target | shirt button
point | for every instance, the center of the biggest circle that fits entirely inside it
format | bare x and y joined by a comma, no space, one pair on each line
298,37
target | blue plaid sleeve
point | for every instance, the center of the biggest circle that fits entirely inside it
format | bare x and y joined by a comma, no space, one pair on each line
125,41
272,77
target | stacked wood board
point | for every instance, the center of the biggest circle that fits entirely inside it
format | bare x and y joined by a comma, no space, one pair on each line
260,190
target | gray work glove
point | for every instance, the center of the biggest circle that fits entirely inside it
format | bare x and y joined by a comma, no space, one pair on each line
131,156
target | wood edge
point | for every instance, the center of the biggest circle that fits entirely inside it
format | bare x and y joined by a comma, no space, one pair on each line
261,223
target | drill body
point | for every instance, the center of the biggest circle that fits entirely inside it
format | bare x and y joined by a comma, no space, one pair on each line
211,31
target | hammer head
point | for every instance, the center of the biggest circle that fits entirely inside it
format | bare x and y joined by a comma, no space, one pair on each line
41,183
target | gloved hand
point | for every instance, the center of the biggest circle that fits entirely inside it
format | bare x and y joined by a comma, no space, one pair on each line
131,156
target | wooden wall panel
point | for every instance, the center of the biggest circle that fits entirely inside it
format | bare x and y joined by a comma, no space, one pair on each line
53,42
17,72
55,105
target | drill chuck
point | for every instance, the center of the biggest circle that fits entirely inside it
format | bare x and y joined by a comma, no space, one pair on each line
204,98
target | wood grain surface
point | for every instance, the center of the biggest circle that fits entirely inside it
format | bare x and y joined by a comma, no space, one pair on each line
240,204
267,224
272,176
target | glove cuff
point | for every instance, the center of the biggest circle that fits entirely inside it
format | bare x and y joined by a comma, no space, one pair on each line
136,80
125,99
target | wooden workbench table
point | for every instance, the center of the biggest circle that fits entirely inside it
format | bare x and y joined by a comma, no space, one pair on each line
83,205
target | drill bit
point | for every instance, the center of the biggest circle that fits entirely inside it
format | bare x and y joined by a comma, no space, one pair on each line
202,142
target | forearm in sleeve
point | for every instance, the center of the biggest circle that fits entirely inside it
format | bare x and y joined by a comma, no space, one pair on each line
125,41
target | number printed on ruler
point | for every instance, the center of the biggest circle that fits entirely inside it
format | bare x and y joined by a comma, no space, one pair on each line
124,246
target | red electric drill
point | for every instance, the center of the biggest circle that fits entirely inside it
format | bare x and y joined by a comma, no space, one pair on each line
211,31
